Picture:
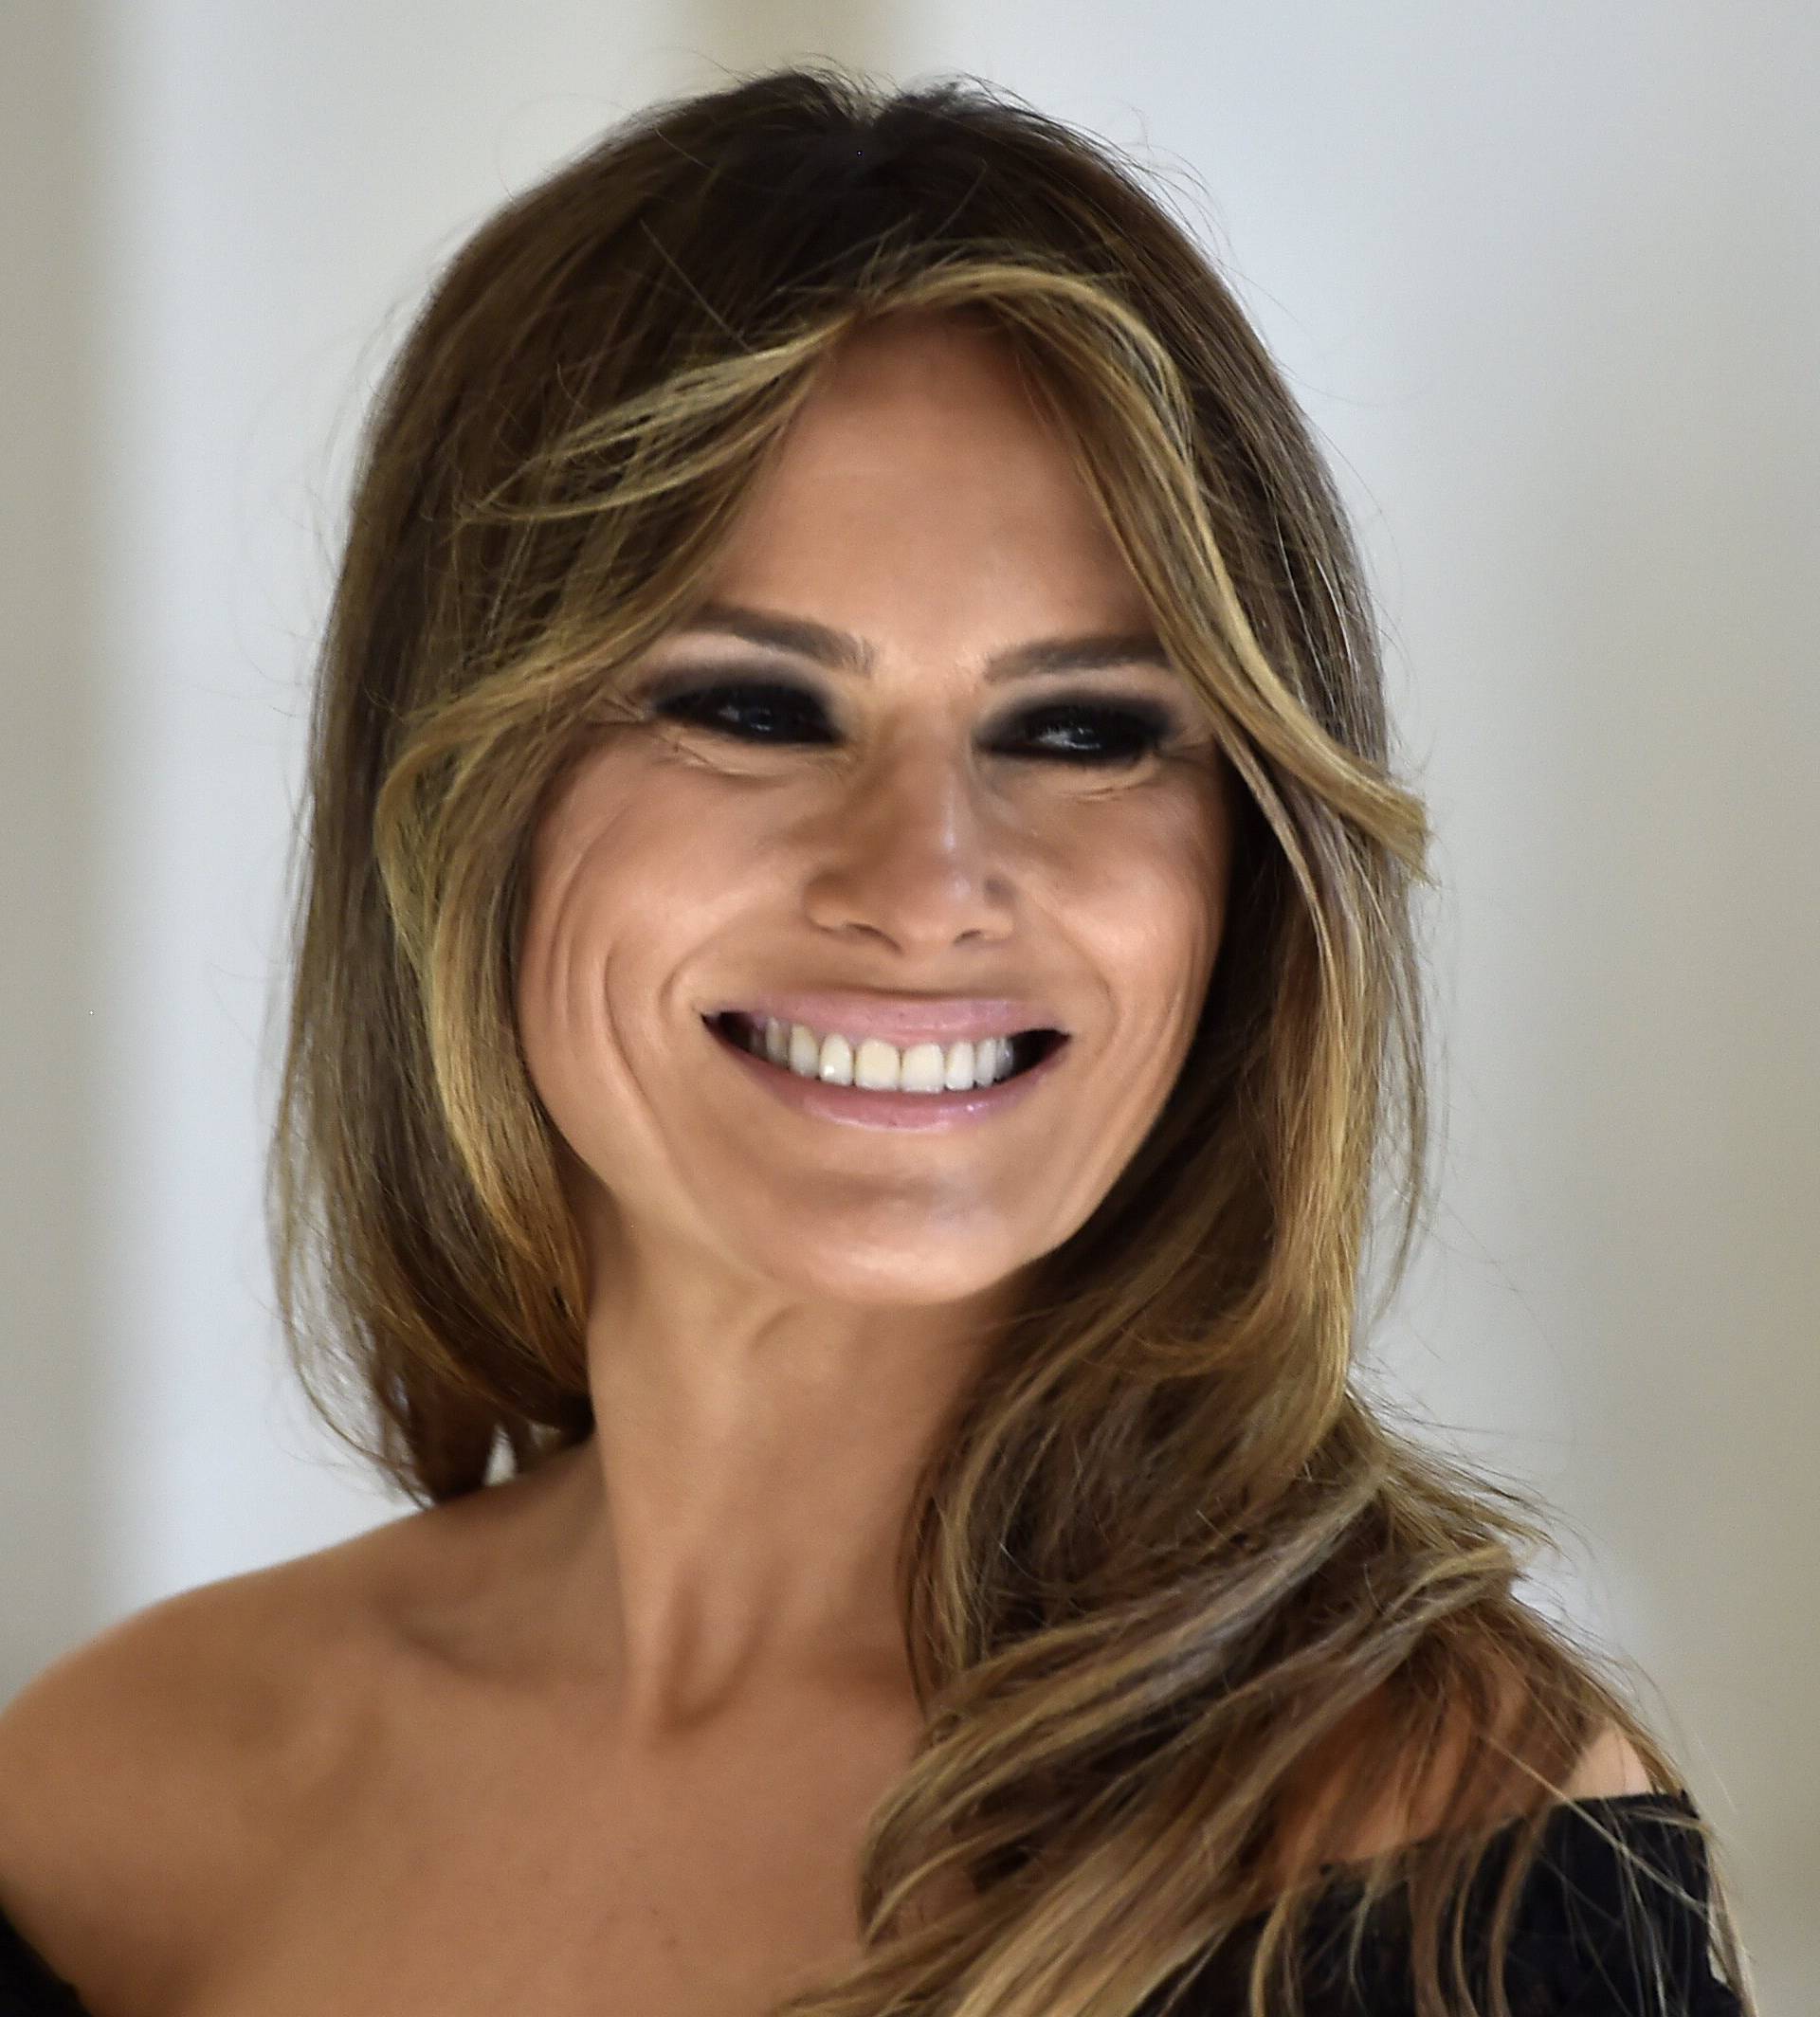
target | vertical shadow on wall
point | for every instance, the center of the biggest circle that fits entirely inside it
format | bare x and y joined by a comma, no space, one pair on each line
53,1112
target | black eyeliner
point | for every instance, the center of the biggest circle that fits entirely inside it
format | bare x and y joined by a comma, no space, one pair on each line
697,682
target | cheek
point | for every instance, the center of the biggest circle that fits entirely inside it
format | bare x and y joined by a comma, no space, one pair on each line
1151,897
582,913
559,1012
629,874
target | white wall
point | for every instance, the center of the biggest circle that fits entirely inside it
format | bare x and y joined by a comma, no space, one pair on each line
1544,276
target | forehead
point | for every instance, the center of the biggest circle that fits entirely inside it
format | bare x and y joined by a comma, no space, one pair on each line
921,475
922,391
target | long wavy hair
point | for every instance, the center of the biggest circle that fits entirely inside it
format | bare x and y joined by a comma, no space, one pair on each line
1183,1607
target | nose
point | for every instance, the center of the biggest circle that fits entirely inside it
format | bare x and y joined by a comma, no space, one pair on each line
916,854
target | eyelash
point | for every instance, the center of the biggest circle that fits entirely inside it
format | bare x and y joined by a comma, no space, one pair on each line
1145,727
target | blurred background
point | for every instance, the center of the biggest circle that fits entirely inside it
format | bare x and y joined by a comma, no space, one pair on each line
1547,280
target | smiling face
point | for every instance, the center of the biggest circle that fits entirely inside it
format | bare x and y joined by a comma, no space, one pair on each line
945,823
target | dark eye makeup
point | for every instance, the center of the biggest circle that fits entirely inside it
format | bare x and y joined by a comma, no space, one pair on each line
1117,733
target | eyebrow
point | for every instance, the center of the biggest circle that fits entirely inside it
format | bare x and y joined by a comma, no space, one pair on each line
840,652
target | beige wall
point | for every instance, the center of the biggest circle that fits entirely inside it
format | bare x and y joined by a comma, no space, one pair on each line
1544,276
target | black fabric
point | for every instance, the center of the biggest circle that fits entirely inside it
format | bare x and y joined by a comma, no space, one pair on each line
1575,1950
27,1987
1593,1934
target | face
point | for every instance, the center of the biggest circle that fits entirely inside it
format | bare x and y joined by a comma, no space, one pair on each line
855,778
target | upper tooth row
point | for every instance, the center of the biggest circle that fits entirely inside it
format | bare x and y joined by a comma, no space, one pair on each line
880,1067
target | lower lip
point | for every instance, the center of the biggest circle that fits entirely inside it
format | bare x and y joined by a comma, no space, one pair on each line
858,1106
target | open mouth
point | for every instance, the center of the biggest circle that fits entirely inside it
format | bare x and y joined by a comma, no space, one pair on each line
1028,1047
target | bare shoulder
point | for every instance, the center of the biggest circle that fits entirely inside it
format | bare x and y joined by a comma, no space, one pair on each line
1610,1768
1609,1765
154,1777
140,1772
1407,1805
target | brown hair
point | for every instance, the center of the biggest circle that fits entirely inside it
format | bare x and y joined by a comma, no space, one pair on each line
1170,1585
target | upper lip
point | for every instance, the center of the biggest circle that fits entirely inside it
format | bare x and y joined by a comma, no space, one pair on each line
899,1019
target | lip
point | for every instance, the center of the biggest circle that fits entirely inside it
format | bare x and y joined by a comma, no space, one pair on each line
858,1106
900,1019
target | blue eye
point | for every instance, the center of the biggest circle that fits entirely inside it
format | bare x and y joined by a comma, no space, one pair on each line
1116,735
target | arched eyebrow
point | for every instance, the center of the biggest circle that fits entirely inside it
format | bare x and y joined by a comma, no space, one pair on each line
840,652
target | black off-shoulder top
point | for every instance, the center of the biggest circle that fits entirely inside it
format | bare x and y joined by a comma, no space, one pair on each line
1574,1949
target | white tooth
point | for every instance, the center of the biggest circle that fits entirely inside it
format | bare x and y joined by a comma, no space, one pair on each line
921,1071
875,1064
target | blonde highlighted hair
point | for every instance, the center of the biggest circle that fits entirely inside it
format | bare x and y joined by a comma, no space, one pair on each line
1184,1609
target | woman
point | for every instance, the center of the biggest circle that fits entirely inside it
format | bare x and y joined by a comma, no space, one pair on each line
855,970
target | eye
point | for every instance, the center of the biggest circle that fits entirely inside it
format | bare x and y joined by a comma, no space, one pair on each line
1101,735
769,703
1115,736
